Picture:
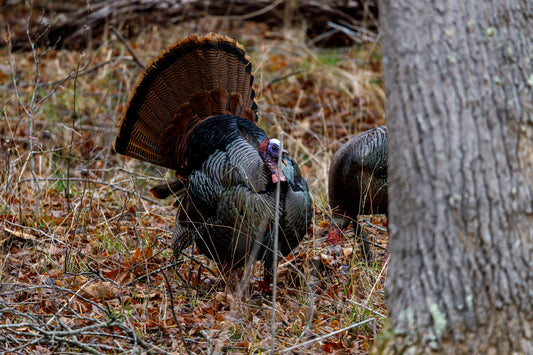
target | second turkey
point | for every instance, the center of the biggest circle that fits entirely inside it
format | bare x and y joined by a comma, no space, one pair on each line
358,181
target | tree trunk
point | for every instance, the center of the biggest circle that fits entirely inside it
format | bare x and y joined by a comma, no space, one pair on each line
458,78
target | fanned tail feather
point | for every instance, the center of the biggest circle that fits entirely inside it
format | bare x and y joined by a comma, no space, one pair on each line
196,78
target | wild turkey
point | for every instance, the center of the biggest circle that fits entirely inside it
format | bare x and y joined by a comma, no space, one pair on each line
358,179
193,111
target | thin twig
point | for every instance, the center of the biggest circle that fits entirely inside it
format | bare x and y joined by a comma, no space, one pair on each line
362,306
357,37
254,13
135,58
275,247
171,297
100,182
378,279
74,115
369,35
36,60
329,335
321,36
379,228
278,79
58,83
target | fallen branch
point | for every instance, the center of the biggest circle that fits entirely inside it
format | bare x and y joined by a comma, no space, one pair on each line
75,29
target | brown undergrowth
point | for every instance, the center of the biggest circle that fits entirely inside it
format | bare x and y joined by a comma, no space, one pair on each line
85,261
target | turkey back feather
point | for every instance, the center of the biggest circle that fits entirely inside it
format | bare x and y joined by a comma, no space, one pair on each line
358,175
194,79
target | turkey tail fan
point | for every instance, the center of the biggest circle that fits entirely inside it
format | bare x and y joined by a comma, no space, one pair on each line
198,77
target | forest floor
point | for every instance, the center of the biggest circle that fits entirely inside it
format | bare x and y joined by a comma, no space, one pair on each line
86,264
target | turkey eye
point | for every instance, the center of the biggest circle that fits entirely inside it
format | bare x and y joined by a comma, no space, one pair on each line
274,149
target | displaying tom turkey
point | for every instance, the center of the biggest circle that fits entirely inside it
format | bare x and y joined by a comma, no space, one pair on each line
358,180
193,111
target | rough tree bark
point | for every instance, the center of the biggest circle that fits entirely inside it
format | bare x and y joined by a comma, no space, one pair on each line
458,78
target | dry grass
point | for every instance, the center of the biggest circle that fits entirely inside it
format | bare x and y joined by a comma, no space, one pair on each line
79,232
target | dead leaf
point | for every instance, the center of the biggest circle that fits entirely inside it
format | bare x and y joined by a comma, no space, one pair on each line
347,252
19,234
54,250
136,257
101,290
332,347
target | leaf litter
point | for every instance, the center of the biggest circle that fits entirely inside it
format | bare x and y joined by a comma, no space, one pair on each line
86,263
